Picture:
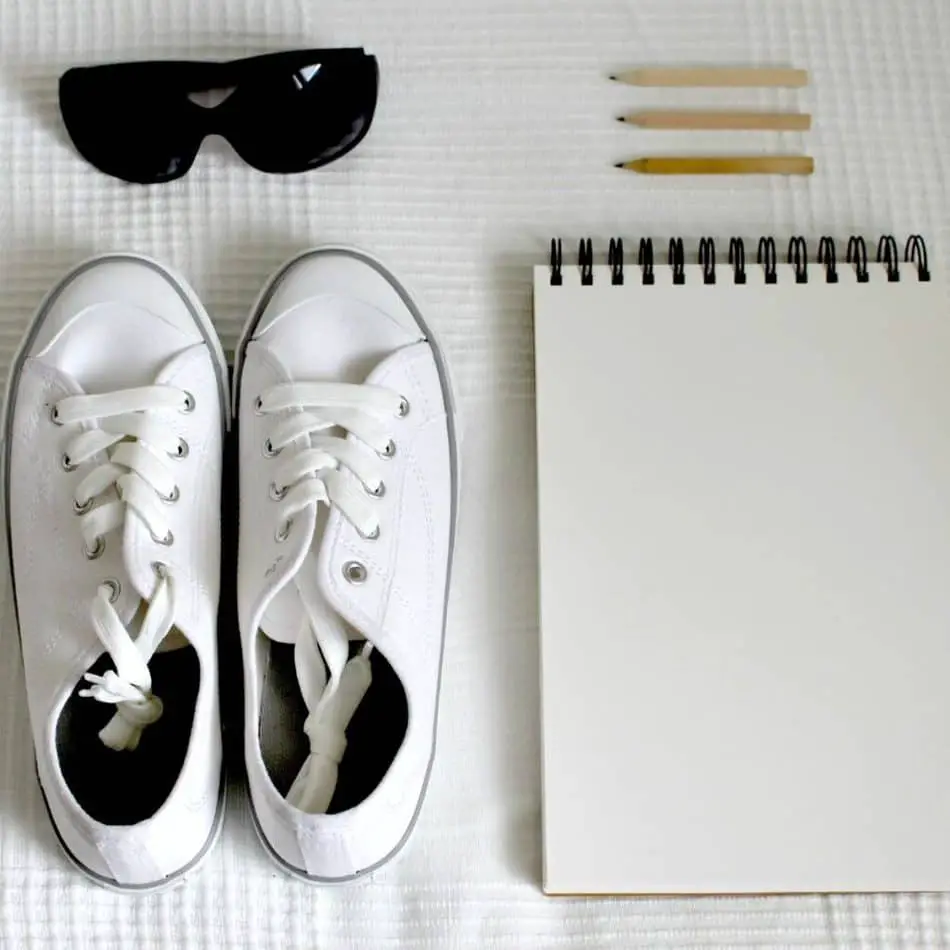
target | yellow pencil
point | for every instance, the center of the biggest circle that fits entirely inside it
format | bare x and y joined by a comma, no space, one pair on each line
689,119
723,165
750,77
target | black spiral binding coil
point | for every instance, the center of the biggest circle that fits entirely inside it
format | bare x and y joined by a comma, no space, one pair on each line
827,256
707,259
858,255
585,260
645,261
915,252
766,258
798,257
737,259
557,261
615,260
888,256
676,258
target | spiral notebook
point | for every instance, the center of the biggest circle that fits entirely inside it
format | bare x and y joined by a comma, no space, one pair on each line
744,517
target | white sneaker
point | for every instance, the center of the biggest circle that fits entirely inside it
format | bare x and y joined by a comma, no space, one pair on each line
348,503
113,429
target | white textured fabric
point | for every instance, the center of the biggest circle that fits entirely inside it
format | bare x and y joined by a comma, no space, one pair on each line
494,131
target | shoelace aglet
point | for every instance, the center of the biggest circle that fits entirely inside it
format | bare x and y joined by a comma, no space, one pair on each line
108,688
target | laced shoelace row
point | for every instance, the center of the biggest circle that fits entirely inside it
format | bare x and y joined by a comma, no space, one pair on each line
330,469
131,428
315,466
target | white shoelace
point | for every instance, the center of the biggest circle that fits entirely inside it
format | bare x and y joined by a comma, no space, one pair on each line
332,683
137,475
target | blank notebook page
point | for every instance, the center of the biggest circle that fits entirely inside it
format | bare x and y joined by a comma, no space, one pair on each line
745,583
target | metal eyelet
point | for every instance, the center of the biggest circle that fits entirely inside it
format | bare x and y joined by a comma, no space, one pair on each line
167,541
115,588
276,494
67,464
181,452
81,509
389,450
355,572
259,406
54,416
171,498
189,402
268,449
372,536
282,534
96,551
403,409
161,569
378,491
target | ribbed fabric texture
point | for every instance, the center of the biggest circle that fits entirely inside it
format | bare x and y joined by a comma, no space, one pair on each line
495,131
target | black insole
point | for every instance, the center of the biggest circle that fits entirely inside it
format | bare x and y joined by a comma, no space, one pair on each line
373,736
124,788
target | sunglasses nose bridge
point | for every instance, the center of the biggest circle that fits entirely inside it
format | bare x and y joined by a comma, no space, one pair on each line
214,122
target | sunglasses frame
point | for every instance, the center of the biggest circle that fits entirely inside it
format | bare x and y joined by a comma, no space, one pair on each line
185,78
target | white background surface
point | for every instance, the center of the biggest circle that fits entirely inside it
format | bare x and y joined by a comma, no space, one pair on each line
494,131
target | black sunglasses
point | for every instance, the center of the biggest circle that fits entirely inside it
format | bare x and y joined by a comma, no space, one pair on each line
286,112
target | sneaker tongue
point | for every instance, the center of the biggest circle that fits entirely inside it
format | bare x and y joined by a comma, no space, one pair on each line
285,616
286,620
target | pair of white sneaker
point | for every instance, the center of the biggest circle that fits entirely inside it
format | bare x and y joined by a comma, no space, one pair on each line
116,410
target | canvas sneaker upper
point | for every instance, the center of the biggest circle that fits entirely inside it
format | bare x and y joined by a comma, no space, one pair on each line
348,488
114,422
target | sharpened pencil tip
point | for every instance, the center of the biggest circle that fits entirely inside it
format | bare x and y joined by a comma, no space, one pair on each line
619,165
614,78
620,118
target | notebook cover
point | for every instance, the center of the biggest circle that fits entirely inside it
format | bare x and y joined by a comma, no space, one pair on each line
744,520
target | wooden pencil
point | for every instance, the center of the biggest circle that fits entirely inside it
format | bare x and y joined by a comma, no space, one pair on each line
687,119
754,76
723,165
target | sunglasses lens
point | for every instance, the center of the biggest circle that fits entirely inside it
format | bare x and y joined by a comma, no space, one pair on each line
127,125
301,115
